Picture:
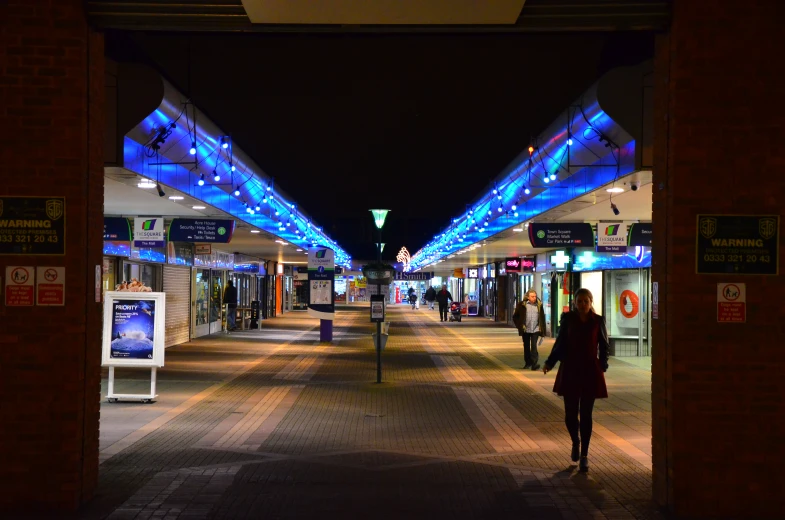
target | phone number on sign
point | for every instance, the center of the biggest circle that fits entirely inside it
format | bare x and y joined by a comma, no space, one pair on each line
750,259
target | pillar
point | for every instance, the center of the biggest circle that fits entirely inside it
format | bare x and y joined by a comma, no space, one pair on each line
51,127
718,399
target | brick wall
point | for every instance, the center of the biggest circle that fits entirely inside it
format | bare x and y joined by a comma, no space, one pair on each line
51,123
718,389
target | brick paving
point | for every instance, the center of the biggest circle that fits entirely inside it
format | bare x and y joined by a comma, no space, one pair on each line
273,424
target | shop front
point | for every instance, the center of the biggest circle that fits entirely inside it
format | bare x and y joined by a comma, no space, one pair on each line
210,274
621,285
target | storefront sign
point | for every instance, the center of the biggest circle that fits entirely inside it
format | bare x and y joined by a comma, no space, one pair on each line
32,226
201,230
738,244
321,276
528,264
50,286
203,249
473,272
457,272
561,234
134,329
19,286
513,265
639,234
247,267
117,228
731,303
611,236
377,308
414,276
560,259
149,232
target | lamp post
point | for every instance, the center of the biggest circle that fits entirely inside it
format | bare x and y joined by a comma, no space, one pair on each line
378,217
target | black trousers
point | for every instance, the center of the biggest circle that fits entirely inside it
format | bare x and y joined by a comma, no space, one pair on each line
443,311
573,408
530,354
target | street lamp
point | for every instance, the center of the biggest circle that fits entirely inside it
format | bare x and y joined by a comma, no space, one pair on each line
378,218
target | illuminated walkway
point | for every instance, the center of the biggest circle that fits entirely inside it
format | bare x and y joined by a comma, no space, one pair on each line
270,424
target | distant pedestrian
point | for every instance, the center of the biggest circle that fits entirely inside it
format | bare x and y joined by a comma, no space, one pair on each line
529,317
580,380
430,296
442,297
230,300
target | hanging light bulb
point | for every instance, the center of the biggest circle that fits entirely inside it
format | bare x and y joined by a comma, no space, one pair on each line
547,180
200,182
258,207
288,223
553,176
526,190
192,151
276,213
499,196
216,177
514,206
237,191
501,208
231,167
268,186
569,142
264,200
224,144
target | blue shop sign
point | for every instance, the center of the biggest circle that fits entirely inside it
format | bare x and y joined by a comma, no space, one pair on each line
117,228
201,230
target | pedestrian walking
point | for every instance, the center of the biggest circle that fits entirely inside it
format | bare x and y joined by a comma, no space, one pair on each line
442,297
230,300
430,296
529,317
582,347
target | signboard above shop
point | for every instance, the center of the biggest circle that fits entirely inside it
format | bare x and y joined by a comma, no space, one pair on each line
512,265
737,244
639,234
201,230
117,228
32,225
413,276
562,234
149,232
611,236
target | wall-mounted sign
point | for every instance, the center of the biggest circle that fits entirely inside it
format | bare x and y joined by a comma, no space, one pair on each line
737,244
50,286
731,303
149,232
32,225
611,236
19,286
473,272
528,264
513,265
117,228
321,276
134,329
377,308
560,259
203,249
413,276
639,234
563,234
201,230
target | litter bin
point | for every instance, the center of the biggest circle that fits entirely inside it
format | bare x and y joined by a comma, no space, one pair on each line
254,314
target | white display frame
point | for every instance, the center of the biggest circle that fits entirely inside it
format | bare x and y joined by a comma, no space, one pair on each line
159,324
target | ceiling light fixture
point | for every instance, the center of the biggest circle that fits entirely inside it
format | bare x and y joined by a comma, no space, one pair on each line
615,189
255,231
176,197
197,207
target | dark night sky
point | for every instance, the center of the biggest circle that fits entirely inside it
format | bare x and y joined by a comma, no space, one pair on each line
428,120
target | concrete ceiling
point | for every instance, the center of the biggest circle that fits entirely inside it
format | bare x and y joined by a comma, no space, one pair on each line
123,198
383,12
594,206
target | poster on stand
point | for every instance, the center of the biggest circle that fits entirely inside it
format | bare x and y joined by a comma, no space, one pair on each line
321,279
626,303
134,329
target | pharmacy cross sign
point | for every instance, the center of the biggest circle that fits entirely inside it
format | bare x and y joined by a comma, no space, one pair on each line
560,260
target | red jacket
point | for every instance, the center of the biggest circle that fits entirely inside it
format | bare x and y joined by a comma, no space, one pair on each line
582,349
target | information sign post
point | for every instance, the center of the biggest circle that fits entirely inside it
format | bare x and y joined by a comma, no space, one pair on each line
321,297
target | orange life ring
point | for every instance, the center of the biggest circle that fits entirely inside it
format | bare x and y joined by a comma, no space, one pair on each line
623,297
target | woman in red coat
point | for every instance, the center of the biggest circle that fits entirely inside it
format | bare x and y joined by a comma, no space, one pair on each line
580,380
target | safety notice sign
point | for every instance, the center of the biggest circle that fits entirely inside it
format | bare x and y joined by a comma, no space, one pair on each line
731,303
50,286
19,286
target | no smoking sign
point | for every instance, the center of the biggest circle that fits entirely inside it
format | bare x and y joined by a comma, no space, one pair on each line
731,303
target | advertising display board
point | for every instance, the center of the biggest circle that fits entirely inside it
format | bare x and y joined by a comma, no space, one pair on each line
625,302
134,325
32,225
321,276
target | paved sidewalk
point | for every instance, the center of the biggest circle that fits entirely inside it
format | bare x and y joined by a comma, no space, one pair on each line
273,424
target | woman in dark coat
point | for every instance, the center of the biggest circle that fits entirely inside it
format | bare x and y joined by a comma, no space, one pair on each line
582,347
